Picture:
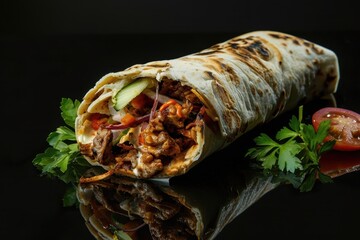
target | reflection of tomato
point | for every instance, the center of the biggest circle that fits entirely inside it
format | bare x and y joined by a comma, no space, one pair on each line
336,163
345,127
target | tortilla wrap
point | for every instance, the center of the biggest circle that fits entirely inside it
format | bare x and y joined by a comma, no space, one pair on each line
199,103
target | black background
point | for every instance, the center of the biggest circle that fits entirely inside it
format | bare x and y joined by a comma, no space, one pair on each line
55,49
176,16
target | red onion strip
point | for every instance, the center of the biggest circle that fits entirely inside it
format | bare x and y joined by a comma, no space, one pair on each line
156,100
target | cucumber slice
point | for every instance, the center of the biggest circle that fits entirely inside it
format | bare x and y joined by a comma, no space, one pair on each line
129,92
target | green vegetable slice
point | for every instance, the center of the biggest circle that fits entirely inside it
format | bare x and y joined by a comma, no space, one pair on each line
128,93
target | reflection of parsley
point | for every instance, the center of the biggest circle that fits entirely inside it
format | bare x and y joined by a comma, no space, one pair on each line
294,156
63,159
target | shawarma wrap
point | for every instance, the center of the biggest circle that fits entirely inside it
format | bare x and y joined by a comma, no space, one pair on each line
159,119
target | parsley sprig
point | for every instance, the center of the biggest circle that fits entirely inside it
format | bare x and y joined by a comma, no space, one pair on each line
294,155
62,159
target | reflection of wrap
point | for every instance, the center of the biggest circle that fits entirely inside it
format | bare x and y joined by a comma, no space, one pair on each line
220,93
158,211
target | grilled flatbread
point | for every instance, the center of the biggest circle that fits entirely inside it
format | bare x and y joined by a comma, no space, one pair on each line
159,119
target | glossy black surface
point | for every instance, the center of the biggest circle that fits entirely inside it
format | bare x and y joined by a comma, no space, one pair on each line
36,72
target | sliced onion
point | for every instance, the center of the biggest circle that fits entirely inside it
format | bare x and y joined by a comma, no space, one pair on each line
116,115
161,98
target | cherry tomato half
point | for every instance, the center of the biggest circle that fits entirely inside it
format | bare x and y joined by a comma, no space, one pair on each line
345,127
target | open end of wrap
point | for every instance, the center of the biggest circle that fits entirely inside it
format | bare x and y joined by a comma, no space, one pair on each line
142,127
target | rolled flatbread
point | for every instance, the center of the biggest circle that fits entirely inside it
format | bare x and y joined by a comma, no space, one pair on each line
159,119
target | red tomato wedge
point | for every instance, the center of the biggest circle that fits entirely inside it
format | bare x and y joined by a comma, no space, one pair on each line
345,127
139,101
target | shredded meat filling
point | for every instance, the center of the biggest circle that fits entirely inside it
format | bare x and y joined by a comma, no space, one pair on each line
127,160
102,145
163,136
170,132
175,90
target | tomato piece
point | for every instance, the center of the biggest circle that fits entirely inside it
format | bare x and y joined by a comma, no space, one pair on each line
97,120
344,127
141,101
128,119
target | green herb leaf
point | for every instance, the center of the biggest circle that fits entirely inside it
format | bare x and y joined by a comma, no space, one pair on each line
62,159
294,124
322,131
309,182
269,161
286,133
70,198
309,136
294,156
264,140
291,178
327,146
69,111
288,157
324,178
